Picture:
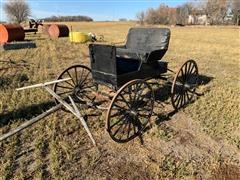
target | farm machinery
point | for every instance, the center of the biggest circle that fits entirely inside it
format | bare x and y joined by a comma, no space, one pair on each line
126,71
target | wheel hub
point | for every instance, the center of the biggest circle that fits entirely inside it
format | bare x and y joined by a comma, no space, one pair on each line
133,113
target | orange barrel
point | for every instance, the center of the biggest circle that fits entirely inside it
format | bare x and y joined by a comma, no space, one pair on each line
11,32
58,30
45,28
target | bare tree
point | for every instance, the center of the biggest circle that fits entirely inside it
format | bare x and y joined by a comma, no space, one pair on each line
236,11
184,11
141,17
161,15
217,10
17,10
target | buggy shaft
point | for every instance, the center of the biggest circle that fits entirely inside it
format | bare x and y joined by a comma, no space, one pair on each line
30,122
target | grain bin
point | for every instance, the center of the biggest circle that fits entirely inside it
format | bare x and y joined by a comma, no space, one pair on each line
11,32
58,30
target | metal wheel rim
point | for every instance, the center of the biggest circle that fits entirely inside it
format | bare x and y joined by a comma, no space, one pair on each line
184,81
127,129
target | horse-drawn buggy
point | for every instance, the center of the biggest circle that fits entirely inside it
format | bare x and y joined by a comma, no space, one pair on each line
125,71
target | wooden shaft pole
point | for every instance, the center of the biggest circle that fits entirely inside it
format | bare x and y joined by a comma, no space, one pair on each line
82,121
30,122
43,84
72,110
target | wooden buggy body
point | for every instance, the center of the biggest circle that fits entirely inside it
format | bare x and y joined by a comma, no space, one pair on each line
139,58
126,70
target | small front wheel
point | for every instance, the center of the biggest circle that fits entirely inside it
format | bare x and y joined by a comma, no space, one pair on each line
80,86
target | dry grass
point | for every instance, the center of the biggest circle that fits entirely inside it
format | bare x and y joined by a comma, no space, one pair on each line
201,141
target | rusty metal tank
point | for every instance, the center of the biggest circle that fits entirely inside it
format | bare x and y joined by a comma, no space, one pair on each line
58,30
11,32
45,28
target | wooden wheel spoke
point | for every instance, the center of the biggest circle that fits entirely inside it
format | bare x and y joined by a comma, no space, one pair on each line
71,77
117,113
144,108
119,127
190,91
118,121
191,69
129,129
180,80
72,85
87,83
116,106
123,130
183,75
184,99
81,75
84,94
135,92
76,75
143,115
129,93
139,93
179,101
87,89
64,87
66,92
124,100
177,97
126,105
186,68
85,78
135,129
188,96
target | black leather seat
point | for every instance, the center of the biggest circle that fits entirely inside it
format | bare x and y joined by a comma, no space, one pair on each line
145,44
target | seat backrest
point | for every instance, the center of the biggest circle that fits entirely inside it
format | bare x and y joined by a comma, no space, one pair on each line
148,38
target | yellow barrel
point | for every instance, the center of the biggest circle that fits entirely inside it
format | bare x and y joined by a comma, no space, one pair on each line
79,37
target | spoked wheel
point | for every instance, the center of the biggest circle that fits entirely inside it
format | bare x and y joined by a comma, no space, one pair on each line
130,111
184,84
79,87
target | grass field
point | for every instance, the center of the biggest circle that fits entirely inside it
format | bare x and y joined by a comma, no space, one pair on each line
201,141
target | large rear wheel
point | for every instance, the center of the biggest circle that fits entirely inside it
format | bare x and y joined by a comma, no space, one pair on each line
130,111
184,85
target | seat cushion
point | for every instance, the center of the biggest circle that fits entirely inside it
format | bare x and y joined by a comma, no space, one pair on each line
132,54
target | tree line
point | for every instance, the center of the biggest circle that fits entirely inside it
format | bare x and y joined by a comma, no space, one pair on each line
19,11
213,12
68,18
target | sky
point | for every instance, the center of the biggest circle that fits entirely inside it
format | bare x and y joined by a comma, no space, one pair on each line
99,10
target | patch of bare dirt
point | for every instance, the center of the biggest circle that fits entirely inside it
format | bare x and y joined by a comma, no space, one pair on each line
185,152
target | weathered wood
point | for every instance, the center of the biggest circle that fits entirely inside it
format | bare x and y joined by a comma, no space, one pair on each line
72,110
42,84
82,121
30,122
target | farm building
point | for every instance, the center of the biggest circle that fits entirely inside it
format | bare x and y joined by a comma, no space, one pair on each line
199,17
